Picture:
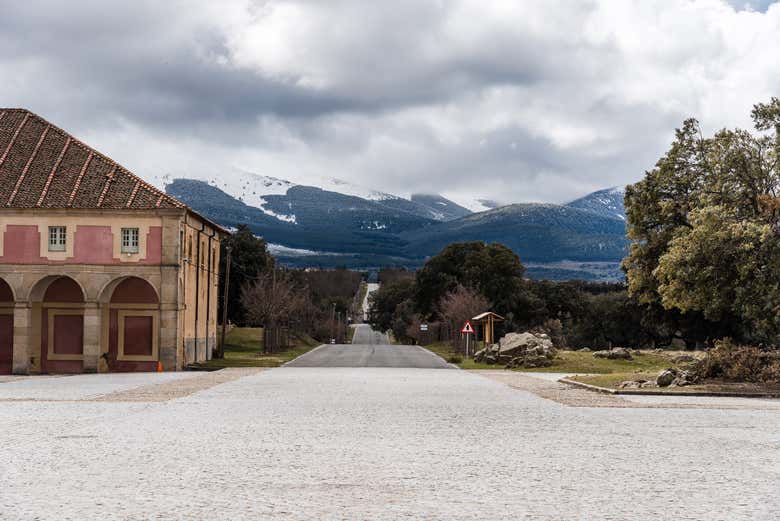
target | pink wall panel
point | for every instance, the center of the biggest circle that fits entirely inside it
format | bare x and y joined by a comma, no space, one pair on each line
93,245
21,244
153,246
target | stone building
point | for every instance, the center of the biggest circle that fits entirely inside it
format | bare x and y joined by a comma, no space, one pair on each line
99,271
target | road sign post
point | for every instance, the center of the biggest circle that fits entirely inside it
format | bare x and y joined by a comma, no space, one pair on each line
423,334
468,331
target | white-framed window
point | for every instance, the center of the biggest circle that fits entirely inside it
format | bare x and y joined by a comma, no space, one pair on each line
57,238
129,240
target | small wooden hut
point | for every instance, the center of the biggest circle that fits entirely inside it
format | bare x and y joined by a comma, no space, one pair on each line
486,322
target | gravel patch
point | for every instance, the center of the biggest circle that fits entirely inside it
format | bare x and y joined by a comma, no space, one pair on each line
179,388
544,386
82,386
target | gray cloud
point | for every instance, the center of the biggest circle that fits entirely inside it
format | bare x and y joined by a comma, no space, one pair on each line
539,100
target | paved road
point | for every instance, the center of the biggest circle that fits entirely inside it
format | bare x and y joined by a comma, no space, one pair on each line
364,335
370,349
372,287
378,444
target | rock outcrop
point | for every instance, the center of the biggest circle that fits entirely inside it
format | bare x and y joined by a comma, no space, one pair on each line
618,353
672,377
519,350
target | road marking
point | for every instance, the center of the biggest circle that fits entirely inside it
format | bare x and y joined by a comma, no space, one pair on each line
437,356
306,353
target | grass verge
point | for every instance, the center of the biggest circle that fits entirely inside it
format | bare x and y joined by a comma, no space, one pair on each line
244,348
611,381
576,362
361,297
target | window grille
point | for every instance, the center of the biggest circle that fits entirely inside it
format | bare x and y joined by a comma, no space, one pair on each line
129,240
57,236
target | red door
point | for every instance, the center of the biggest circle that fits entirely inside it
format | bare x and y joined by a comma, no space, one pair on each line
138,335
6,343
63,352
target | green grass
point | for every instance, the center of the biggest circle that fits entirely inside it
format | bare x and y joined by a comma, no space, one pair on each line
444,350
579,362
244,348
575,362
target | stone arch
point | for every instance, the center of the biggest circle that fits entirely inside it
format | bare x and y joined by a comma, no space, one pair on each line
106,294
58,303
131,311
38,291
6,292
6,327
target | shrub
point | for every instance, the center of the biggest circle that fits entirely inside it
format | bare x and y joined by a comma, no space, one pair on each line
740,364
455,359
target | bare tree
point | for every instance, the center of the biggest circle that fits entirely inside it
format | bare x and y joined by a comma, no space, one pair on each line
273,301
458,306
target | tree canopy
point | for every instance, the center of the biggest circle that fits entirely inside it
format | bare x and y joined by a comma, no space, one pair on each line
705,226
249,260
492,269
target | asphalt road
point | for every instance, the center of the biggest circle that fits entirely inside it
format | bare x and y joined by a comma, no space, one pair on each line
370,349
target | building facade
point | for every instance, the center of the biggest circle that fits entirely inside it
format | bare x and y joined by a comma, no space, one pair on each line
99,271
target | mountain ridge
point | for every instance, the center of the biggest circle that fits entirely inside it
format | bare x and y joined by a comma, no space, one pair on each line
311,226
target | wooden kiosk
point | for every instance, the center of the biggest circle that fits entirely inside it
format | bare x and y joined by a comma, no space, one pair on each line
486,321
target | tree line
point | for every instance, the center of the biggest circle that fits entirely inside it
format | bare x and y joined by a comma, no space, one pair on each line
287,303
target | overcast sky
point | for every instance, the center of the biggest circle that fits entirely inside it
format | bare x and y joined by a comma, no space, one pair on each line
517,101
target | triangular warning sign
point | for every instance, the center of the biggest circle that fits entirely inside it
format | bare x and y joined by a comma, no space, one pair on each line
467,329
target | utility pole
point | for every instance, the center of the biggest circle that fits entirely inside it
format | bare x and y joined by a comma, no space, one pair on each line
228,249
338,326
333,321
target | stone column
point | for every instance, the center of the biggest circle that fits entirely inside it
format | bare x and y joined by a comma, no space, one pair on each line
91,337
169,316
23,337
168,338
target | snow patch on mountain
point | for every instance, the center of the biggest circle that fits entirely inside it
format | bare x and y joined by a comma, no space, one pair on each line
607,202
279,250
474,205
331,184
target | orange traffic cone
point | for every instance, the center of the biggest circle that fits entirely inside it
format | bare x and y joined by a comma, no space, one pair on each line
159,367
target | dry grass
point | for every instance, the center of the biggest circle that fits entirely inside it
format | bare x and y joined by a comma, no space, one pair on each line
244,348
579,362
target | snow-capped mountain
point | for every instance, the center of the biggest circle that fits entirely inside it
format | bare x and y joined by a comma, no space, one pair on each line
331,184
280,198
443,209
342,224
608,202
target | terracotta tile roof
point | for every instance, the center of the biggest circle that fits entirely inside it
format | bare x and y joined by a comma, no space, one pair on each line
42,166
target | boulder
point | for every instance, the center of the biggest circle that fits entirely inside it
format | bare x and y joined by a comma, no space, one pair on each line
585,350
479,356
666,377
525,350
617,353
529,361
514,344
683,378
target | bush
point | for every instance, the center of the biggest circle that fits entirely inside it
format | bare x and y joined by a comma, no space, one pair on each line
455,359
740,364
